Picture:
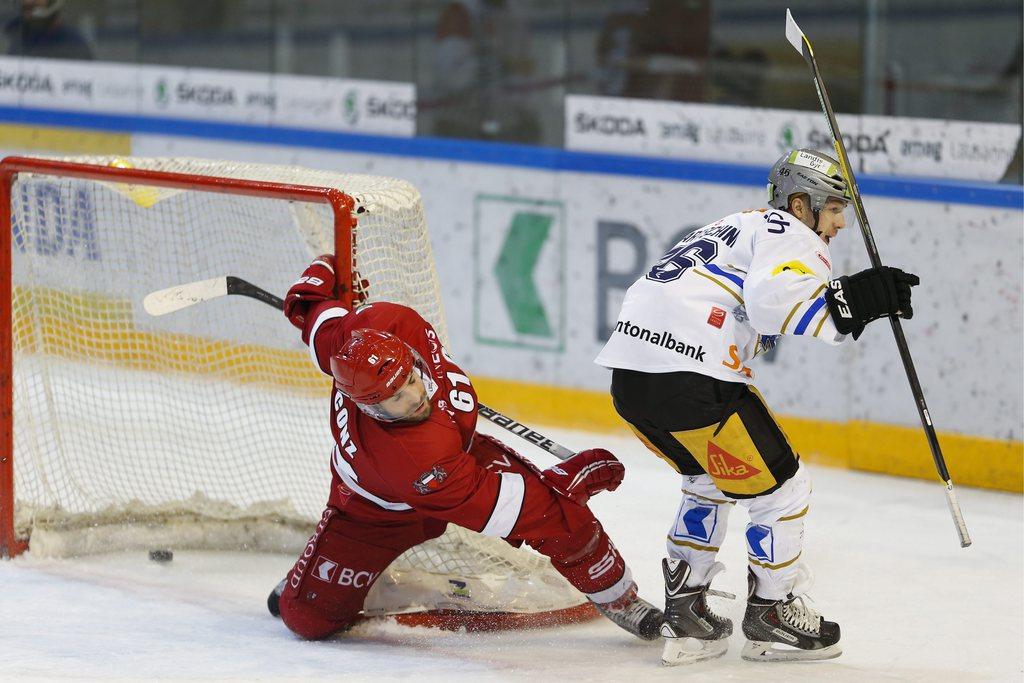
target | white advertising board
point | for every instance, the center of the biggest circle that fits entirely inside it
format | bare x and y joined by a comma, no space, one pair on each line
333,104
744,135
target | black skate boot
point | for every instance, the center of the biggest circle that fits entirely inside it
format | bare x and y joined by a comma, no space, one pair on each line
784,630
634,614
692,631
274,599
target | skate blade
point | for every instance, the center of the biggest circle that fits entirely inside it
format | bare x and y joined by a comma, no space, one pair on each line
689,650
760,651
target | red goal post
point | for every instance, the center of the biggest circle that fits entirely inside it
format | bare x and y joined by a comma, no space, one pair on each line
204,428
341,206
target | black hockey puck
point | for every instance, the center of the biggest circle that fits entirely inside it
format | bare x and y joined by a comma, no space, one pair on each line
161,555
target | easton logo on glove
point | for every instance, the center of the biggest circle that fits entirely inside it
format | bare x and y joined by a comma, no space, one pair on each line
857,299
837,293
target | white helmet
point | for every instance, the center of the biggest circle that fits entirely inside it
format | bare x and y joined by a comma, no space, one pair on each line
806,171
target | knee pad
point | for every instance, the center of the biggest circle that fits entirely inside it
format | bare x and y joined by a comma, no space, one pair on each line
697,534
309,622
592,564
775,537
325,590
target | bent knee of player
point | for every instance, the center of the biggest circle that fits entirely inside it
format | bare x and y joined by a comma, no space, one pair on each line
789,501
310,622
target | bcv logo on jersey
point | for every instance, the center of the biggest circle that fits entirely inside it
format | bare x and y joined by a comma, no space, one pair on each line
326,570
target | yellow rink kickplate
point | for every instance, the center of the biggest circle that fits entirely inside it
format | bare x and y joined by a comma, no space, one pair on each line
63,140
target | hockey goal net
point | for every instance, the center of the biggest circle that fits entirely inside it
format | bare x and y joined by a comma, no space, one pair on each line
205,428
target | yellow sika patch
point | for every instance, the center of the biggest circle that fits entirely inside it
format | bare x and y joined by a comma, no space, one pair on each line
730,457
63,140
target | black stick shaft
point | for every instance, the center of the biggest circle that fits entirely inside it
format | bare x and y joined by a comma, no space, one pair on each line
897,327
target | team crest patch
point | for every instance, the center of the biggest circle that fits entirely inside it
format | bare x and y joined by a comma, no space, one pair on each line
430,481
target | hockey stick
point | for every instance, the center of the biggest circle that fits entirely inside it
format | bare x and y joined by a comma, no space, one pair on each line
178,297
799,42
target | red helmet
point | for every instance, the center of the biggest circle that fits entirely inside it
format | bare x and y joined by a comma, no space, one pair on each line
371,366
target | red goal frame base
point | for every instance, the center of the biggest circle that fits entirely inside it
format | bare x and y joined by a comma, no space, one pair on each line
483,622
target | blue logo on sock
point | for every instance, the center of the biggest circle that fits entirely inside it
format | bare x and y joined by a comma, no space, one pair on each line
760,542
700,522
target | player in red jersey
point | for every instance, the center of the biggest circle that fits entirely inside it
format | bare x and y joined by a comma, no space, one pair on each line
407,461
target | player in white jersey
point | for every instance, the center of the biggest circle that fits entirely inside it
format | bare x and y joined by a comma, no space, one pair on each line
679,353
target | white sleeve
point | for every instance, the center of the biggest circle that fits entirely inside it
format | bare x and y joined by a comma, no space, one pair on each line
324,340
785,287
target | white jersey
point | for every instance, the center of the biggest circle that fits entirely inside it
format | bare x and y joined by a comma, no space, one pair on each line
722,295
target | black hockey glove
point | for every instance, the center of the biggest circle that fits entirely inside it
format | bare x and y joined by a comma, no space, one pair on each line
856,300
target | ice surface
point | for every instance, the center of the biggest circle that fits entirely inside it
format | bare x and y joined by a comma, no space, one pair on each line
912,604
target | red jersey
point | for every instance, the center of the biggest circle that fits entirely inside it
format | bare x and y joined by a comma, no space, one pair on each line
425,466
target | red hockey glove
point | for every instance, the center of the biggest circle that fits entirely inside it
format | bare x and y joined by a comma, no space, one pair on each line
586,473
315,285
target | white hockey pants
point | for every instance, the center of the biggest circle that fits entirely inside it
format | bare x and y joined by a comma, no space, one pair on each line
774,536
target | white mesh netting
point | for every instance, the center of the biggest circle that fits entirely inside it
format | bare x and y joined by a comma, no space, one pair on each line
207,427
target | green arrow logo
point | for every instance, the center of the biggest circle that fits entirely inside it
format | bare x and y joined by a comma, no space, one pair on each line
514,272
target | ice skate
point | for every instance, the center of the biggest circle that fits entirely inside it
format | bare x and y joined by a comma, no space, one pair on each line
633,614
785,630
692,631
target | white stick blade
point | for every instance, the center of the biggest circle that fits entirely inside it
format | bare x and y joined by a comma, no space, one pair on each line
793,33
182,296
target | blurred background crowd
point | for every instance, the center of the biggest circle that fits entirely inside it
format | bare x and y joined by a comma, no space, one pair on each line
500,69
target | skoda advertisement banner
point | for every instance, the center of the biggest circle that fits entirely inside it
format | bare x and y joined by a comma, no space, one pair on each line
876,144
372,107
68,85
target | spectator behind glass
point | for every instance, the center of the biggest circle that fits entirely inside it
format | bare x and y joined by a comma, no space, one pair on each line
672,49
483,64
617,50
39,31
739,78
